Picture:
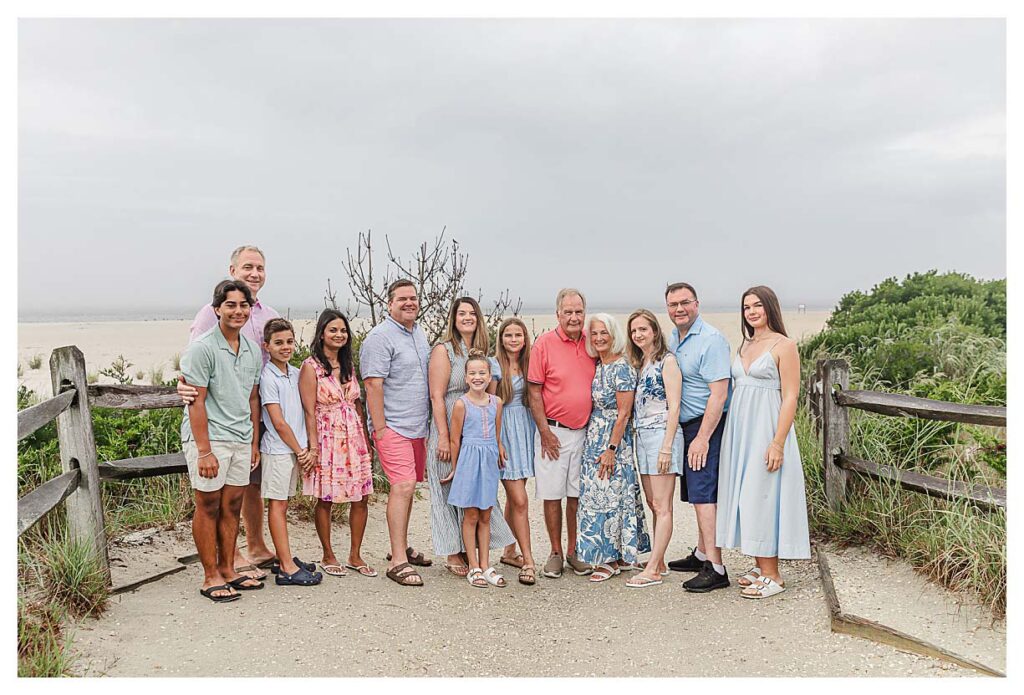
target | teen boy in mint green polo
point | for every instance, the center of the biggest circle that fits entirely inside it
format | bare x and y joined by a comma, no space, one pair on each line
219,435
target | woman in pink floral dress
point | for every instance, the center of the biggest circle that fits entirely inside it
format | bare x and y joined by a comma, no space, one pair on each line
340,466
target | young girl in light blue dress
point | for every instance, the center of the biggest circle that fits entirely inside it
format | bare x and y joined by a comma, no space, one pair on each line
517,434
475,433
761,504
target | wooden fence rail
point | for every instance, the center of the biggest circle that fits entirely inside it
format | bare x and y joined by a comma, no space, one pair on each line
830,401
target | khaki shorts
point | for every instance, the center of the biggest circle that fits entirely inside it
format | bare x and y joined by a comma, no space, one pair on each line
233,457
280,476
560,478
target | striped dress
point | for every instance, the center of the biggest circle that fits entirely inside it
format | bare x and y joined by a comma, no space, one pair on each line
446,520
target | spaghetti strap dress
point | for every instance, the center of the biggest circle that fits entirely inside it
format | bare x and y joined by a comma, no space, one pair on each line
763,514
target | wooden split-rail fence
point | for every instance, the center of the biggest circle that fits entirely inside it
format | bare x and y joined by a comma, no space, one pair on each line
829,400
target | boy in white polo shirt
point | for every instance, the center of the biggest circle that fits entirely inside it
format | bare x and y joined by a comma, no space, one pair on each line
284,447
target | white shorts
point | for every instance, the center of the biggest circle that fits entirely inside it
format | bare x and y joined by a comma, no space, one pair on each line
280,475
233,469
559,479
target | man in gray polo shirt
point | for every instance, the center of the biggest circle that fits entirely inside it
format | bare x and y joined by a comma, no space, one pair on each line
393,363
220,436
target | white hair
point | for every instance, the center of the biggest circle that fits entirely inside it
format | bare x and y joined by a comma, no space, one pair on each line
238,252
569,292
615,330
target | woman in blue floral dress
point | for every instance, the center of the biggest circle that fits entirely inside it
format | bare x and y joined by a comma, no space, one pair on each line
612,532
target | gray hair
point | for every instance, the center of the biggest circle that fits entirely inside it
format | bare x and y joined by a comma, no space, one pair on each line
568,292
238,252
615,330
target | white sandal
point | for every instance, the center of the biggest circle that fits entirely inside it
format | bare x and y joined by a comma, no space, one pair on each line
603,573
492,577
473,575
752,575
763,588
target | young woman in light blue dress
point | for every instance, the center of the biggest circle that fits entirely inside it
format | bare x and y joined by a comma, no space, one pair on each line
477,454
659,439
611,530
762,509
517,433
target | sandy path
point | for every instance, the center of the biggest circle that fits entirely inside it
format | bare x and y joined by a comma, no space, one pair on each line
561,627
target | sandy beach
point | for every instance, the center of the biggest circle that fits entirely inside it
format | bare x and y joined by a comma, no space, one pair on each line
153,345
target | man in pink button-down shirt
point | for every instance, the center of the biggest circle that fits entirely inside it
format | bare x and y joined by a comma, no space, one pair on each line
249,266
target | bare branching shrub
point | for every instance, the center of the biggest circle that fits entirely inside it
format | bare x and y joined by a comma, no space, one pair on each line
437,270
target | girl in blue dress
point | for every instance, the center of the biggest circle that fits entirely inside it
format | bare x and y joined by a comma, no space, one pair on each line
475,434
517,433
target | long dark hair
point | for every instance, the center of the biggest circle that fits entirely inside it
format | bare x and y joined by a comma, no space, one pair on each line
772,311
480,341
344,354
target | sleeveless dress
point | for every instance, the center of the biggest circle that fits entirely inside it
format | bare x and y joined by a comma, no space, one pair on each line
344,472
517,433
763,514
476,475
611,515
445,519
650,420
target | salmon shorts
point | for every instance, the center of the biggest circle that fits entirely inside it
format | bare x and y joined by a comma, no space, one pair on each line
402,459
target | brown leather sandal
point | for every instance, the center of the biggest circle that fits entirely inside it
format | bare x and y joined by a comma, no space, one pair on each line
410,578
414,558
528,576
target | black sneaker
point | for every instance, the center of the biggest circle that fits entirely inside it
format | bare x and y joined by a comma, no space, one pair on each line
707,580
690,563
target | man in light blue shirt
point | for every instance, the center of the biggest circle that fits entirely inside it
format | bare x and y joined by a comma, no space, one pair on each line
703,356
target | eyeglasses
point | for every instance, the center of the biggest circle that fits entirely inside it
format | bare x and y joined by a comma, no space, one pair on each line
684,304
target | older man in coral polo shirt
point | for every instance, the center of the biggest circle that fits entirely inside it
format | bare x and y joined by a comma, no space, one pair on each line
560,377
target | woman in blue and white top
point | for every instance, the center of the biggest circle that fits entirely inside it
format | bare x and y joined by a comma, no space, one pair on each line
659,441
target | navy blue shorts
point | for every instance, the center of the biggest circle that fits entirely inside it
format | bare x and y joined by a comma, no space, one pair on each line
701,487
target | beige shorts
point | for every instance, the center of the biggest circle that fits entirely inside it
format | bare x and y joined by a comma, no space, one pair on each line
280,476
561,478
233,459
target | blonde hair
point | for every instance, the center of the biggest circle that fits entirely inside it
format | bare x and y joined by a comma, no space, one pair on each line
614,330
636,355
568,292
505,389
238,252
480,340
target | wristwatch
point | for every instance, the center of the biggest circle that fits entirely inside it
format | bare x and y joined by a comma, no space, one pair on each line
612,447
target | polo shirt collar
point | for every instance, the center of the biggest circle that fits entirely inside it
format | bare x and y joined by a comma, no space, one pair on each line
275,370
222,341
695,329
564,337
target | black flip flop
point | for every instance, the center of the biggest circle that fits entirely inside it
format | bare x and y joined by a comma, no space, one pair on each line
208,593
239,583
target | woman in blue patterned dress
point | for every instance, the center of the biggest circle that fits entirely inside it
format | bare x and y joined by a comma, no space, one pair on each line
517,433
659,439
611,515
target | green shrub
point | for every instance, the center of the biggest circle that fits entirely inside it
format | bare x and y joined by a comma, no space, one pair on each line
72,575
156,375
176,361
35,361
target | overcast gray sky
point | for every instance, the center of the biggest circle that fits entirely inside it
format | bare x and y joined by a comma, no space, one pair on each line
616,155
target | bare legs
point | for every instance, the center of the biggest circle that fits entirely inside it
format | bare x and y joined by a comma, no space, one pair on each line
517,508
659,490
277,519
476,536
706,514
256,550
204,533
553,523
357,513
399,509
322,521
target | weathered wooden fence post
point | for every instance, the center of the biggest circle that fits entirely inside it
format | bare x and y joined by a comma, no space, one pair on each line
835,430
78,450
